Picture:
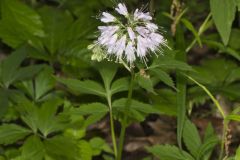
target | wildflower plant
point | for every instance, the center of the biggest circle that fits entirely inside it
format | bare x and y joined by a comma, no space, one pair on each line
127,36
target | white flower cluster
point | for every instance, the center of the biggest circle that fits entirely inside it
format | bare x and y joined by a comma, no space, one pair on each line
130,36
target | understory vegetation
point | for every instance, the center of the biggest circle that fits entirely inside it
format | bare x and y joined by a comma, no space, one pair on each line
65,96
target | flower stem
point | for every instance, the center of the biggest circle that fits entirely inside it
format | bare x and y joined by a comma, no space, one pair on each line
152,7
112,126
125,118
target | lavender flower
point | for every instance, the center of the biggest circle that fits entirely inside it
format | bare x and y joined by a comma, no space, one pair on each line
131,40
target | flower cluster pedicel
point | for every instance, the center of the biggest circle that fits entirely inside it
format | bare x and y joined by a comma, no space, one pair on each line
128,36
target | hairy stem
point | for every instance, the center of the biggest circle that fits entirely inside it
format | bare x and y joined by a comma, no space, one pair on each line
125,118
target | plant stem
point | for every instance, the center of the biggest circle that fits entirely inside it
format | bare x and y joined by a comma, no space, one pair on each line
203,27
124,122
224,138
151,7
225,122
112,126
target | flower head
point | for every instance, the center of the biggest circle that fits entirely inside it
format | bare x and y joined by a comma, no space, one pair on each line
130,39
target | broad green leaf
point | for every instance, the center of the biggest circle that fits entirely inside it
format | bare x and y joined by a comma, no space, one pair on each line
137,111
207,147
85,87
33,148
3,102
93,119
11,133
208,137
27,110
24,73
190,27
89,109
191,138
233,117
223,49
209,132
86,152
61,146
21,20
145,82
212,72
234,39
47,121
167,152
165,102
13,37
107,72
234,75
56,26
98,145
10,65
168,63
44,82
164,77
120,85
223,20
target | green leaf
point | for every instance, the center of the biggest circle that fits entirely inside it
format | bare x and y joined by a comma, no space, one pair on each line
212,71
223,20
238,4
107,72
137,110
92,108
164,77
21,20
98,145
145,82
237,156
191,138
10,65
47,119
10,133
92,119
223,49
86,152
190,27
207,147
33,148
61,146
209,138
209,132
27,110
120,85
233,117
167,152
56,26
44,82
165,102
3,102
86,86
234,39
167,63
26,73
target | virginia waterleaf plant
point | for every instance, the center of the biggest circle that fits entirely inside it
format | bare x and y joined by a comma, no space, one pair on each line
127,38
